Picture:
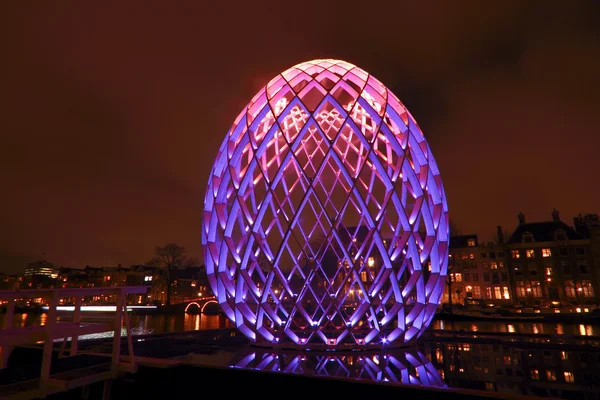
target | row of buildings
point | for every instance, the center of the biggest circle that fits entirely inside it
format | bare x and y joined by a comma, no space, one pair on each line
186,283
539,263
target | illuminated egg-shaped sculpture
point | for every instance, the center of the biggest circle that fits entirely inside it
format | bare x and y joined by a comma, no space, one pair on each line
325,219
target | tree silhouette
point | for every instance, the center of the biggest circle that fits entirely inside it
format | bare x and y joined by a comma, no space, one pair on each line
170,257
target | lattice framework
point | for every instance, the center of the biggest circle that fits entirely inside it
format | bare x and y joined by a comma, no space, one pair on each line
325,218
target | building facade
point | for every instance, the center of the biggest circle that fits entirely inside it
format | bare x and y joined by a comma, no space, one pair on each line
477,273
551,262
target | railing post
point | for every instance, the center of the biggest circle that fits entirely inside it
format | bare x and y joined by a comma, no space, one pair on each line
129,338
116,351
77,320
8,322
49,342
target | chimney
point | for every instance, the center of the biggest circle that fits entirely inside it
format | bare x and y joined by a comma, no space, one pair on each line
555,216
521,218
500,234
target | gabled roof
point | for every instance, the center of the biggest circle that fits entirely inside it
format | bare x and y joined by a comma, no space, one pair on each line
543,231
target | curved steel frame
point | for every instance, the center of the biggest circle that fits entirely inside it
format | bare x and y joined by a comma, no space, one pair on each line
325,218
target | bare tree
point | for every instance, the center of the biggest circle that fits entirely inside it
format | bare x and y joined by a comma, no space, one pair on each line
170,257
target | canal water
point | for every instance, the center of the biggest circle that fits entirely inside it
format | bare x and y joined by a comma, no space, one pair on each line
567,368
158,324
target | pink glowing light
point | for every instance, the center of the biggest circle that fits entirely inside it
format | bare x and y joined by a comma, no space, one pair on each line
323,205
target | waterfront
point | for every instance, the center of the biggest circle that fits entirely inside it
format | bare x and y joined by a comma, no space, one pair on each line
164,323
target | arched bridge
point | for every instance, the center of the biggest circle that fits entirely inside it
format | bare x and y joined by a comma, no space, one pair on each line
203,305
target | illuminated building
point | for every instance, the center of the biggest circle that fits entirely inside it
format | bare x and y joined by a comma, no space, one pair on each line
322,147
477,272
40,274
551,261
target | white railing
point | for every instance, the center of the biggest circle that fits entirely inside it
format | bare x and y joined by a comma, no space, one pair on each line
54,329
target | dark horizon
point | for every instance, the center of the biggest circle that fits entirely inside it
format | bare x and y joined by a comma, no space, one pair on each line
113,114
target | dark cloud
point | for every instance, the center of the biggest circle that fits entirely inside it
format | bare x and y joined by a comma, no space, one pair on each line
112,113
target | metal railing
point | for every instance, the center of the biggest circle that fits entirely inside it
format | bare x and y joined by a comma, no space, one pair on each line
56,330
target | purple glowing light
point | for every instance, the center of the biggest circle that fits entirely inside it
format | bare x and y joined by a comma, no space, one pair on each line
325,218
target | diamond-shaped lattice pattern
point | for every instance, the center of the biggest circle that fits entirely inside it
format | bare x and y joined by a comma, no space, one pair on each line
325,218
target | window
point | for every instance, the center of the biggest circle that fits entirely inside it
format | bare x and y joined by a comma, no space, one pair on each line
486,276
483,255
560,235
533,269
580,251
515,254
470,242
458,277
546,253
518,270
475,277
587,289
476,292
536,289
471,256
566,267
371,261
549,271
363,276
497,292
569,289
529,253
501,254
551,375
148,278
535,374
466,277
527,237
563,251
484,265
564,355
569,378
521,289
583,268
493,265
500,264
492,255
506,293
488,293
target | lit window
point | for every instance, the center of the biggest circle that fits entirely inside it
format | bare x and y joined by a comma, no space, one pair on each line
546,253
371,261
497,292
564,355
549,271
569,378
148,279
569,289
493,265
458,277
506,293
536,289
489,386
551,375
515,254
488,293
476,292
587,289
470,242
363,276
471,256
535,374
193,284
529,253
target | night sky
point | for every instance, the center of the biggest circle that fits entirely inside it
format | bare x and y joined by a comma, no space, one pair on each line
112,112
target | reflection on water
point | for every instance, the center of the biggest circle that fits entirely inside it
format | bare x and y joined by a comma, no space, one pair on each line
547,328
406,367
